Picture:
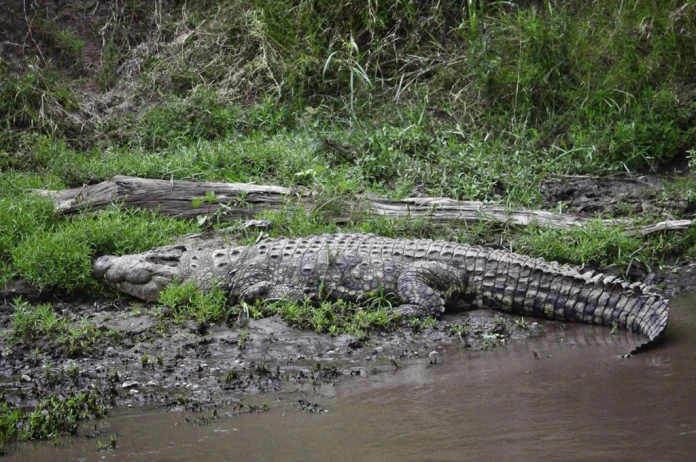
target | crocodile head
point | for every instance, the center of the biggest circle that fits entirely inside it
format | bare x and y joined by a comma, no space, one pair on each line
144,275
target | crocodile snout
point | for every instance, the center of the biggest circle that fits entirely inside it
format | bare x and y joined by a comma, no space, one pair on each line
101,266
142,275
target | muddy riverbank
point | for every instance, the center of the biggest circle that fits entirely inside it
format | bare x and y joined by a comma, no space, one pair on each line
562,395
160,362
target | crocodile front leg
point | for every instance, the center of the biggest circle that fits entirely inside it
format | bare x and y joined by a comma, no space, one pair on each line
421,286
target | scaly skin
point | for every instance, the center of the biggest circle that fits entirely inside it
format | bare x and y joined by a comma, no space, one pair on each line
426,275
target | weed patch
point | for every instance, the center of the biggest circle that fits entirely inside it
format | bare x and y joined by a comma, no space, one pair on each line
35,102
52,418
594,244
334,317
33,324
187,302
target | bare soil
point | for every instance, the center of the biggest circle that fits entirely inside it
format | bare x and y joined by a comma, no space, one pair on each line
614,196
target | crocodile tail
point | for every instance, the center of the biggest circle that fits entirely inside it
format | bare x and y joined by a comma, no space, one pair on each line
534,287
653,323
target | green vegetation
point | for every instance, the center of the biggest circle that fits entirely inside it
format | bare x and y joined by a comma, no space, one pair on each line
39,325
52,418
57,255
187,302
476,101
334,318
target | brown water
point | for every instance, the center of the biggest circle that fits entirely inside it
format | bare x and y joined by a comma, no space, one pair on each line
578,401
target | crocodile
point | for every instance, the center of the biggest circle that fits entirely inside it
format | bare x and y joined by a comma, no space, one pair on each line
426,275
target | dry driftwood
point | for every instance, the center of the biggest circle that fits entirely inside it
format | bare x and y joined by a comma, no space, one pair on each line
174,198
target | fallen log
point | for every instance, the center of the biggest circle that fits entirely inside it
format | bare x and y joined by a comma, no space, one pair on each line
169,197
243,201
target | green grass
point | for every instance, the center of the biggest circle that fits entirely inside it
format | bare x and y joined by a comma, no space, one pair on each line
594,244
52,417
187,302
373,313
474,102
340,317
39,324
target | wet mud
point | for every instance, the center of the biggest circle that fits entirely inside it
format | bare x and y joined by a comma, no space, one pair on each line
193,366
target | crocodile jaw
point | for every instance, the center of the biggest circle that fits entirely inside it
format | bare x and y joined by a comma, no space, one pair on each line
142,276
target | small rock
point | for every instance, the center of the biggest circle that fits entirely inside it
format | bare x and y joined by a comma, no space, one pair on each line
378,351
153,383
129,384
133,392
26,378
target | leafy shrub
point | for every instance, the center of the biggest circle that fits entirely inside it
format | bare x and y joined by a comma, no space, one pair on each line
187,302
58,259
22,216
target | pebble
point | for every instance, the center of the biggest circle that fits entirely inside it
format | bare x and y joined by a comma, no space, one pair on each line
133,392
129,384
26,378
153,383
